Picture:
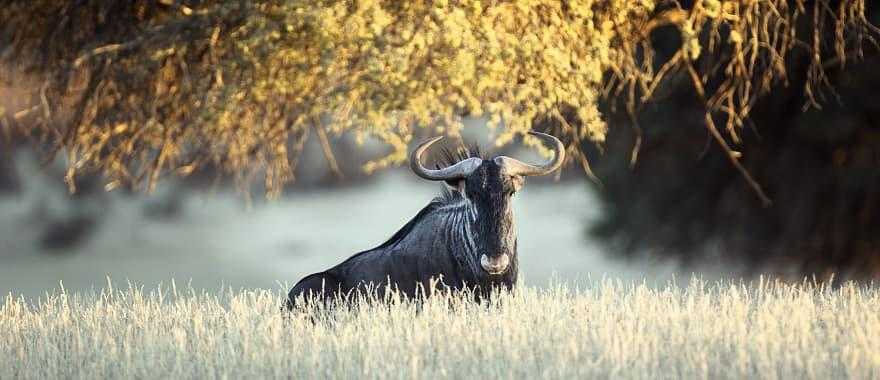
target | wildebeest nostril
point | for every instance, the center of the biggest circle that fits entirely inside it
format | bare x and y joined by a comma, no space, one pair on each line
495,265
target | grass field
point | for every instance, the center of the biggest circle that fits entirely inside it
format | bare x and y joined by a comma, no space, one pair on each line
604,329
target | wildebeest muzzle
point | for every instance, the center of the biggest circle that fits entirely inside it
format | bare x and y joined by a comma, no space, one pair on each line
495,264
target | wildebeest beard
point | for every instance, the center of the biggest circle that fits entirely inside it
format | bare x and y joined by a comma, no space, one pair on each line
464,239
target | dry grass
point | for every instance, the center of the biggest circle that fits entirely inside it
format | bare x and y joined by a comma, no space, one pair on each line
604,330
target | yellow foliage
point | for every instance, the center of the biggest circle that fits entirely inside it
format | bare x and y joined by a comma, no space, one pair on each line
240,84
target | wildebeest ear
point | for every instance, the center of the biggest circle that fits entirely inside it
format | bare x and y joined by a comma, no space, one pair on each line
457,185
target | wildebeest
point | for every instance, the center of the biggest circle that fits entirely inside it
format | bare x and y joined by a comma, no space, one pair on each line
463,239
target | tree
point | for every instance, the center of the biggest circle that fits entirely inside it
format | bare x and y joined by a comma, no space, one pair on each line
819,162
157,88
138,90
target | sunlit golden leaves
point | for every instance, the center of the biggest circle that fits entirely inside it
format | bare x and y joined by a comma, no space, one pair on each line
238,85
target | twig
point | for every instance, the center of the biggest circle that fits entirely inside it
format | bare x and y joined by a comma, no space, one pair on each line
637,146
106,49
187,11
328,152
585,164
731,155
112,48
24,113
734,159
44,100
672,16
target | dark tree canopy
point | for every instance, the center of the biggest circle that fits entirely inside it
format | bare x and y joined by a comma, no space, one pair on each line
818,160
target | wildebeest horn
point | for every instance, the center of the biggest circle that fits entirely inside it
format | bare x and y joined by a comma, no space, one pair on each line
458,171
512,166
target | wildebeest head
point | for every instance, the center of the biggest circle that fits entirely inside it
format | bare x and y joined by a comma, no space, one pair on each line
488,186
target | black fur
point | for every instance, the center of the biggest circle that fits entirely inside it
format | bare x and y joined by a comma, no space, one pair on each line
436,244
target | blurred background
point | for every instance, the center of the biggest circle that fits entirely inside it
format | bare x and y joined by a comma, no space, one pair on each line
209,235
140,140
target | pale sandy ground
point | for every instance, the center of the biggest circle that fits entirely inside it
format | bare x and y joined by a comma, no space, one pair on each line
219,242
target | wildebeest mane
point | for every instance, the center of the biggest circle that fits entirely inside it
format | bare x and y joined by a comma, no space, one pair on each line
446,197
448,157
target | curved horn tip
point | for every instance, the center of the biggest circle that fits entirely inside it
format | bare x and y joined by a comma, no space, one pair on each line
428,142
415,155
459,170
517,167
559,148
549,138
